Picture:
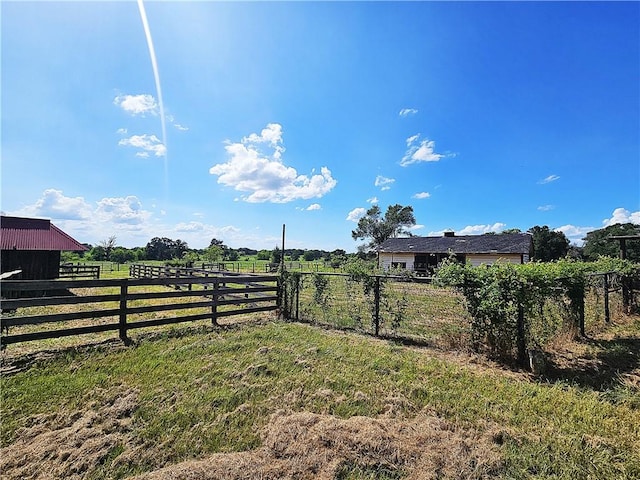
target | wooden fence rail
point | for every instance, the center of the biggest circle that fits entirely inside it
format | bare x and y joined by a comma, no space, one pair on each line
80,271
125,304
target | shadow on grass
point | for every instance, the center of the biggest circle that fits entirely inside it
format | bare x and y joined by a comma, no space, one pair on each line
13,364
603,368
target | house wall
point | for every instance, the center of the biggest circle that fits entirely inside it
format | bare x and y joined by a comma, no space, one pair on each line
35,264
385,260
488,259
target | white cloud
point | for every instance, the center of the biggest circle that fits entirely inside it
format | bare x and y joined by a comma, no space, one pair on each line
356,214
137,104
546,208
407,111
480,229
170,118
549,179
574,234
93,222
412,139
271,134
420,151
148,143
622,215
372,200
421,195
383,182
121,131
415,227
122,210
314,206
189,227
53,204
265,176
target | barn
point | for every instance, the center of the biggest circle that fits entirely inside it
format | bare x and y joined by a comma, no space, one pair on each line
33,246
423,254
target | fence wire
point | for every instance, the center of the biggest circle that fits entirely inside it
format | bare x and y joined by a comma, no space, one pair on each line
406,309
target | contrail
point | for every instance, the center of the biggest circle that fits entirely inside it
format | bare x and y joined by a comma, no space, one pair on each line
156,76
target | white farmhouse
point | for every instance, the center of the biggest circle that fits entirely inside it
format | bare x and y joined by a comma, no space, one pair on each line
423,254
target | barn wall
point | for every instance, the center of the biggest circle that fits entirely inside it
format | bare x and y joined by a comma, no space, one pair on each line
35,264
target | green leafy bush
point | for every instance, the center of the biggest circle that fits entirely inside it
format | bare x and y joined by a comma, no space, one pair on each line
516,307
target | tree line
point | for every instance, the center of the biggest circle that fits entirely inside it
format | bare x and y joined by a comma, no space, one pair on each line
178,251
375,228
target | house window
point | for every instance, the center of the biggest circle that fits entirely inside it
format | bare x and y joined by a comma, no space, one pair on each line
399,265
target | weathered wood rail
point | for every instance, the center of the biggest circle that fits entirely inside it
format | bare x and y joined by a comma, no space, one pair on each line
125,304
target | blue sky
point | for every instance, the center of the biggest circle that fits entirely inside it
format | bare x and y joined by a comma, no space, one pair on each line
482,116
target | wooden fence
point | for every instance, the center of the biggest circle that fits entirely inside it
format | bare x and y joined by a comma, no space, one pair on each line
90,306
80,271
138,270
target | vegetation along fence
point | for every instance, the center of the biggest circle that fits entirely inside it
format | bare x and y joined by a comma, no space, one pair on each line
504,310
90,306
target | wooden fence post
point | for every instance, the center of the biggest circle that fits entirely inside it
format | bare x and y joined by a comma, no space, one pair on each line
581,315
298,298
376,313
214,304
626,294
123,313
606,297
521,342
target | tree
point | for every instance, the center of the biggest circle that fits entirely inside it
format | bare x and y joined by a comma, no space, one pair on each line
215,241
165,248
548,245
396,221
213,253
338,258
263,255
597,243
276,256
122,255
180,247
97,254
108,245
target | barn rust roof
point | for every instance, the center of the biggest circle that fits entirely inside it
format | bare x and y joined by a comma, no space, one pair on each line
18,233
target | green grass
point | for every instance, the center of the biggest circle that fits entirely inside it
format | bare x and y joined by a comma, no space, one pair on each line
213,391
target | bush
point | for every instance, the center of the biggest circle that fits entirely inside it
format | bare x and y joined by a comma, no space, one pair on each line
511,305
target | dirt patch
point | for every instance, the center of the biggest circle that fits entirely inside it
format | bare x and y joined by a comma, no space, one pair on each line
72,446
311,446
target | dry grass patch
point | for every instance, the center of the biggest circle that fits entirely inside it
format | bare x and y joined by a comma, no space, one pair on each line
70,446
311,446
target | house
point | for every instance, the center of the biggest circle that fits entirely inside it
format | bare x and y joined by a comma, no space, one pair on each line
33,246
423,254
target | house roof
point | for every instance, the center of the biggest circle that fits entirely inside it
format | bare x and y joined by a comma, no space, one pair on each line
519,243
17,233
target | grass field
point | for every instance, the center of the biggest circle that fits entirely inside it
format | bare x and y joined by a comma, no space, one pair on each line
271,399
